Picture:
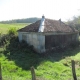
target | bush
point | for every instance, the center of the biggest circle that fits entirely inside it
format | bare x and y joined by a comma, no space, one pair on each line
3,38
12,31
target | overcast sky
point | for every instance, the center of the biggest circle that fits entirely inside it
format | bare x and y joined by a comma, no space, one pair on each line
54,9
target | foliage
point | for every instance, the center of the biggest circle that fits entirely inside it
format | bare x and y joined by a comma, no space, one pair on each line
12,31
26,20
3,39
75,22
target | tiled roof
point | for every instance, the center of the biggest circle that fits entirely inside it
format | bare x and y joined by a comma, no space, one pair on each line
49,26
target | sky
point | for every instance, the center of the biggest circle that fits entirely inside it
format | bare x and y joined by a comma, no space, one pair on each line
53,9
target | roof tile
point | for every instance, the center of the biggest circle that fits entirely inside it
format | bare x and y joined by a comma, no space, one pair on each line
49,26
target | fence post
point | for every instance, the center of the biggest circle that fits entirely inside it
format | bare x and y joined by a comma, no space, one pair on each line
73,70
0,72
33,73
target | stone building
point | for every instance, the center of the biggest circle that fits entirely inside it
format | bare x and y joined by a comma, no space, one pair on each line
47,34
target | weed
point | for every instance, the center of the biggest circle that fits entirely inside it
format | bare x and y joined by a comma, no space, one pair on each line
12,31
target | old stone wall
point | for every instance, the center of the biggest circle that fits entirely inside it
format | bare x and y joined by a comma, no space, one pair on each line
43,41
37,40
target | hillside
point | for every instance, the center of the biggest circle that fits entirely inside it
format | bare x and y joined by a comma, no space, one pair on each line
25,20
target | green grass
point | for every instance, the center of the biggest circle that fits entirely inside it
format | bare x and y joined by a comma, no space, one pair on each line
17,58
5,27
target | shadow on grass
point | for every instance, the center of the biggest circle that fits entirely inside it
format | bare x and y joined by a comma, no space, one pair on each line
25,57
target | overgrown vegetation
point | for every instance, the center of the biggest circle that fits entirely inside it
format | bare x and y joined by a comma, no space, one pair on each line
12,31
75,23
17,58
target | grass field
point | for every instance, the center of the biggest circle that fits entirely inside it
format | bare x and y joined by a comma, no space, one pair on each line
5,27
16,60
